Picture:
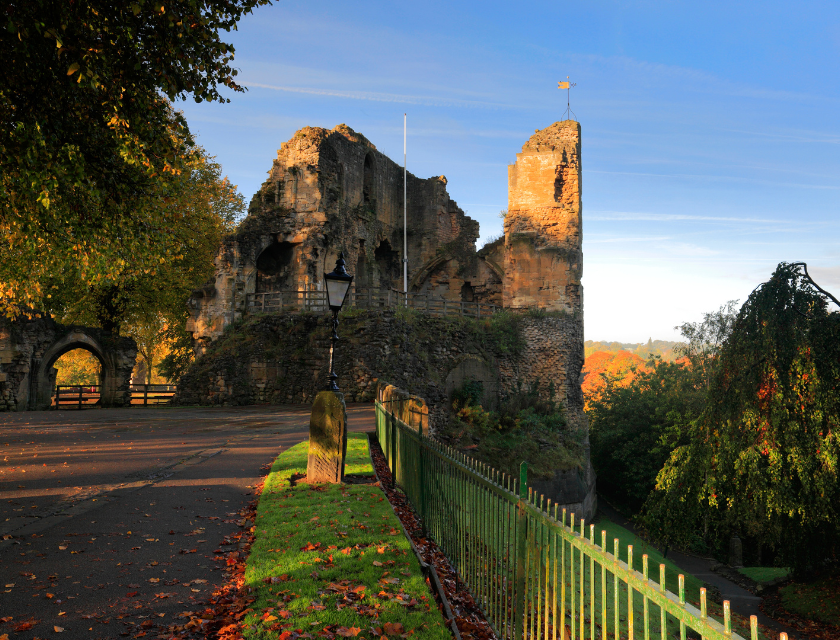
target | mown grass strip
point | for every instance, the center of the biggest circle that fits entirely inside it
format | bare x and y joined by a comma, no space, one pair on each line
331,560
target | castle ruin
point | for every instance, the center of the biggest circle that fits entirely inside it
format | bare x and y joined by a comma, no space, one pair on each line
331,191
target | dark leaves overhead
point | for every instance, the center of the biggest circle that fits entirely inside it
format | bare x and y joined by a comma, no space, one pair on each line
86,126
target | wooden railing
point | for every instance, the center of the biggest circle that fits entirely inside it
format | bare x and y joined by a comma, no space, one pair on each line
143,395
316,301
76,395
88,395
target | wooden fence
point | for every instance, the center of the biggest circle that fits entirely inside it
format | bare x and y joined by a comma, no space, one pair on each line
76,395
82,396
143,395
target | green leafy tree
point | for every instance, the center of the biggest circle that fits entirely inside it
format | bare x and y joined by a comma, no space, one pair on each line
146,295
634,428
762,458
89,143
703,340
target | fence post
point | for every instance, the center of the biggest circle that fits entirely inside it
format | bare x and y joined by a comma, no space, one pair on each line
394,448
80,396
521,550
421,474
145,395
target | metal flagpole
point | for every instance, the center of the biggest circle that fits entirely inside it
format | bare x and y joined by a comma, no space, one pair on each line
405,212
568,87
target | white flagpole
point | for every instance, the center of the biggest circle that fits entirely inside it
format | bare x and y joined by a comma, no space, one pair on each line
405,211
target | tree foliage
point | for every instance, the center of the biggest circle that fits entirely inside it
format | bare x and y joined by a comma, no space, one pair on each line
762,458
201,207
635,423
703,340
89,144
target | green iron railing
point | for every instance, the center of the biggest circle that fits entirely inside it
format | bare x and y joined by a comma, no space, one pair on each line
533,575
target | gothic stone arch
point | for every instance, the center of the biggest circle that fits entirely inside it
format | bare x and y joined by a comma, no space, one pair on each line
29,349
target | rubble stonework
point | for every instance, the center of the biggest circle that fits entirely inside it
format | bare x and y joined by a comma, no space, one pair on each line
543,257
329,192
332,191
30,347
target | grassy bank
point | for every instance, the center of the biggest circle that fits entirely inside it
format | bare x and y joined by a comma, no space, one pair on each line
740,625
817,600
332,559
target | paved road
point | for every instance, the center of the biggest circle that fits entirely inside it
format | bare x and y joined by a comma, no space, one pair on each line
109,517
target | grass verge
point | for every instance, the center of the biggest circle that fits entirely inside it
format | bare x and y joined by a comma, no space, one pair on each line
761,575
332,560
818,600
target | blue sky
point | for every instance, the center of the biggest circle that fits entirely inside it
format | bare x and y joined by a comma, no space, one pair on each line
711,142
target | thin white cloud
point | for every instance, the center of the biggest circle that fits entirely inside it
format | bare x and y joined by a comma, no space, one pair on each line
622,240
374,96
719,178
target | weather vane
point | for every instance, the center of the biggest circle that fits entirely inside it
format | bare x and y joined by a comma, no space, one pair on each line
568,87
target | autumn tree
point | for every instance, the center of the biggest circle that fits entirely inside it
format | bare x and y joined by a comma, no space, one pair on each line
89,144
762,458
146,299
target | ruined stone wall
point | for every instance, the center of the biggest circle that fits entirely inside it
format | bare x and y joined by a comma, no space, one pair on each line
329,192
282,359
30,347
543,257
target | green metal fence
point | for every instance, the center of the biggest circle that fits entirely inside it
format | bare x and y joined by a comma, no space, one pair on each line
533,571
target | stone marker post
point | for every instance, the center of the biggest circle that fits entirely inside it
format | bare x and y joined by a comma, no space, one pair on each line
735,552
327,438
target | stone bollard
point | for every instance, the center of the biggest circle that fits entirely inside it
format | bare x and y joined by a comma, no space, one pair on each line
327,438
735,552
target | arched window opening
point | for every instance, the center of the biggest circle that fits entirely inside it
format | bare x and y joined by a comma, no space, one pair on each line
275,268
367,183
387,264
467,292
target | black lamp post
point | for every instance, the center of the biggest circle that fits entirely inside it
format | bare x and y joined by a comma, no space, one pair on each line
338,284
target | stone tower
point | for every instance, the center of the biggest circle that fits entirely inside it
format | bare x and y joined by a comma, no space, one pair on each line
543,257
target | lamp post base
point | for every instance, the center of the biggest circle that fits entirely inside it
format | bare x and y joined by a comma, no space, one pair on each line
332,385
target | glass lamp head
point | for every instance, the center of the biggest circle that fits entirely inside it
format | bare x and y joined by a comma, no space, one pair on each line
338,284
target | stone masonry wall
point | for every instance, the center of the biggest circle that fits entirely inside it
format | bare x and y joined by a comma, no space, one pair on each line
282,359
331,191
30,347
543,257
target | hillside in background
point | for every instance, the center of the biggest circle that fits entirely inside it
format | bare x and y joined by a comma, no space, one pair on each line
661,348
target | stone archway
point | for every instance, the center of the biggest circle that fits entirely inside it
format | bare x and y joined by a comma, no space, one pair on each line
30,347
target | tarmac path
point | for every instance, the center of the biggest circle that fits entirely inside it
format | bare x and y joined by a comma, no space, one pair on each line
109,517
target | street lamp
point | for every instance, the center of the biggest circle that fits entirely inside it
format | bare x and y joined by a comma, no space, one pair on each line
338,284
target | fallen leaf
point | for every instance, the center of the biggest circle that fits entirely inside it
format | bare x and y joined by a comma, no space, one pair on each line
58,629
25,626
393,628
154,579
348,632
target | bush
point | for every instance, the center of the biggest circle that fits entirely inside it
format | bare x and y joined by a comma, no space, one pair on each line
525,428
634,428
